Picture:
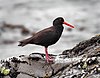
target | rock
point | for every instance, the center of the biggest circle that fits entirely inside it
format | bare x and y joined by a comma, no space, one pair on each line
87,46
82,61
69,29
8,41
24,31
14,32
82,28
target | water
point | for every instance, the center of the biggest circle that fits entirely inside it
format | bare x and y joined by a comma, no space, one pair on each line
39,14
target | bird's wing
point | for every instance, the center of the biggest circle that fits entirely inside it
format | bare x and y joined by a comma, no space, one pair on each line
43,35
40,37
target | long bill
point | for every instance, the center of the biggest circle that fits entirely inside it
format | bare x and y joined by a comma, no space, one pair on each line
68,24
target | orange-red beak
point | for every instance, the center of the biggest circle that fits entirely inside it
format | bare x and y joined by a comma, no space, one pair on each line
68,24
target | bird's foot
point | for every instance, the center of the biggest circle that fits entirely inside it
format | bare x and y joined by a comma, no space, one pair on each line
49,60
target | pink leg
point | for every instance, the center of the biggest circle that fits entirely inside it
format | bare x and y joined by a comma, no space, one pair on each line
47,56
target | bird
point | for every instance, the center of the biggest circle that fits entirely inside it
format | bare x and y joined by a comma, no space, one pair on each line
47,36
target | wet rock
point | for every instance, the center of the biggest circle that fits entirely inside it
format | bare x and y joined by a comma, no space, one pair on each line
82,61
66,52
24,31
8,41
13,31
69,29
86,46
81,28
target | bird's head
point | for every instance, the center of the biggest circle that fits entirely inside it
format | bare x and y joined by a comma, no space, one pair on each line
60,21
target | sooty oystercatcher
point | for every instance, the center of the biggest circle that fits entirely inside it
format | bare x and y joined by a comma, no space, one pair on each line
47,36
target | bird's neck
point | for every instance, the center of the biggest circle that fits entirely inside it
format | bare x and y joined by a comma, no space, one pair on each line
59,28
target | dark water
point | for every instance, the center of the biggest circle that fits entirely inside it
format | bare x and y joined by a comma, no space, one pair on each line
39,14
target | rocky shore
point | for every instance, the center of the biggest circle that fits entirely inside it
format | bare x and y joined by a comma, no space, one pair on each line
82,61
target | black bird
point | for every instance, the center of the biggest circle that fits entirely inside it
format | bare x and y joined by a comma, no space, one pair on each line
47,36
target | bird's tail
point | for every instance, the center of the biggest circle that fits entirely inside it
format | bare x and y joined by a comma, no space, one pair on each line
24,42
21,43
